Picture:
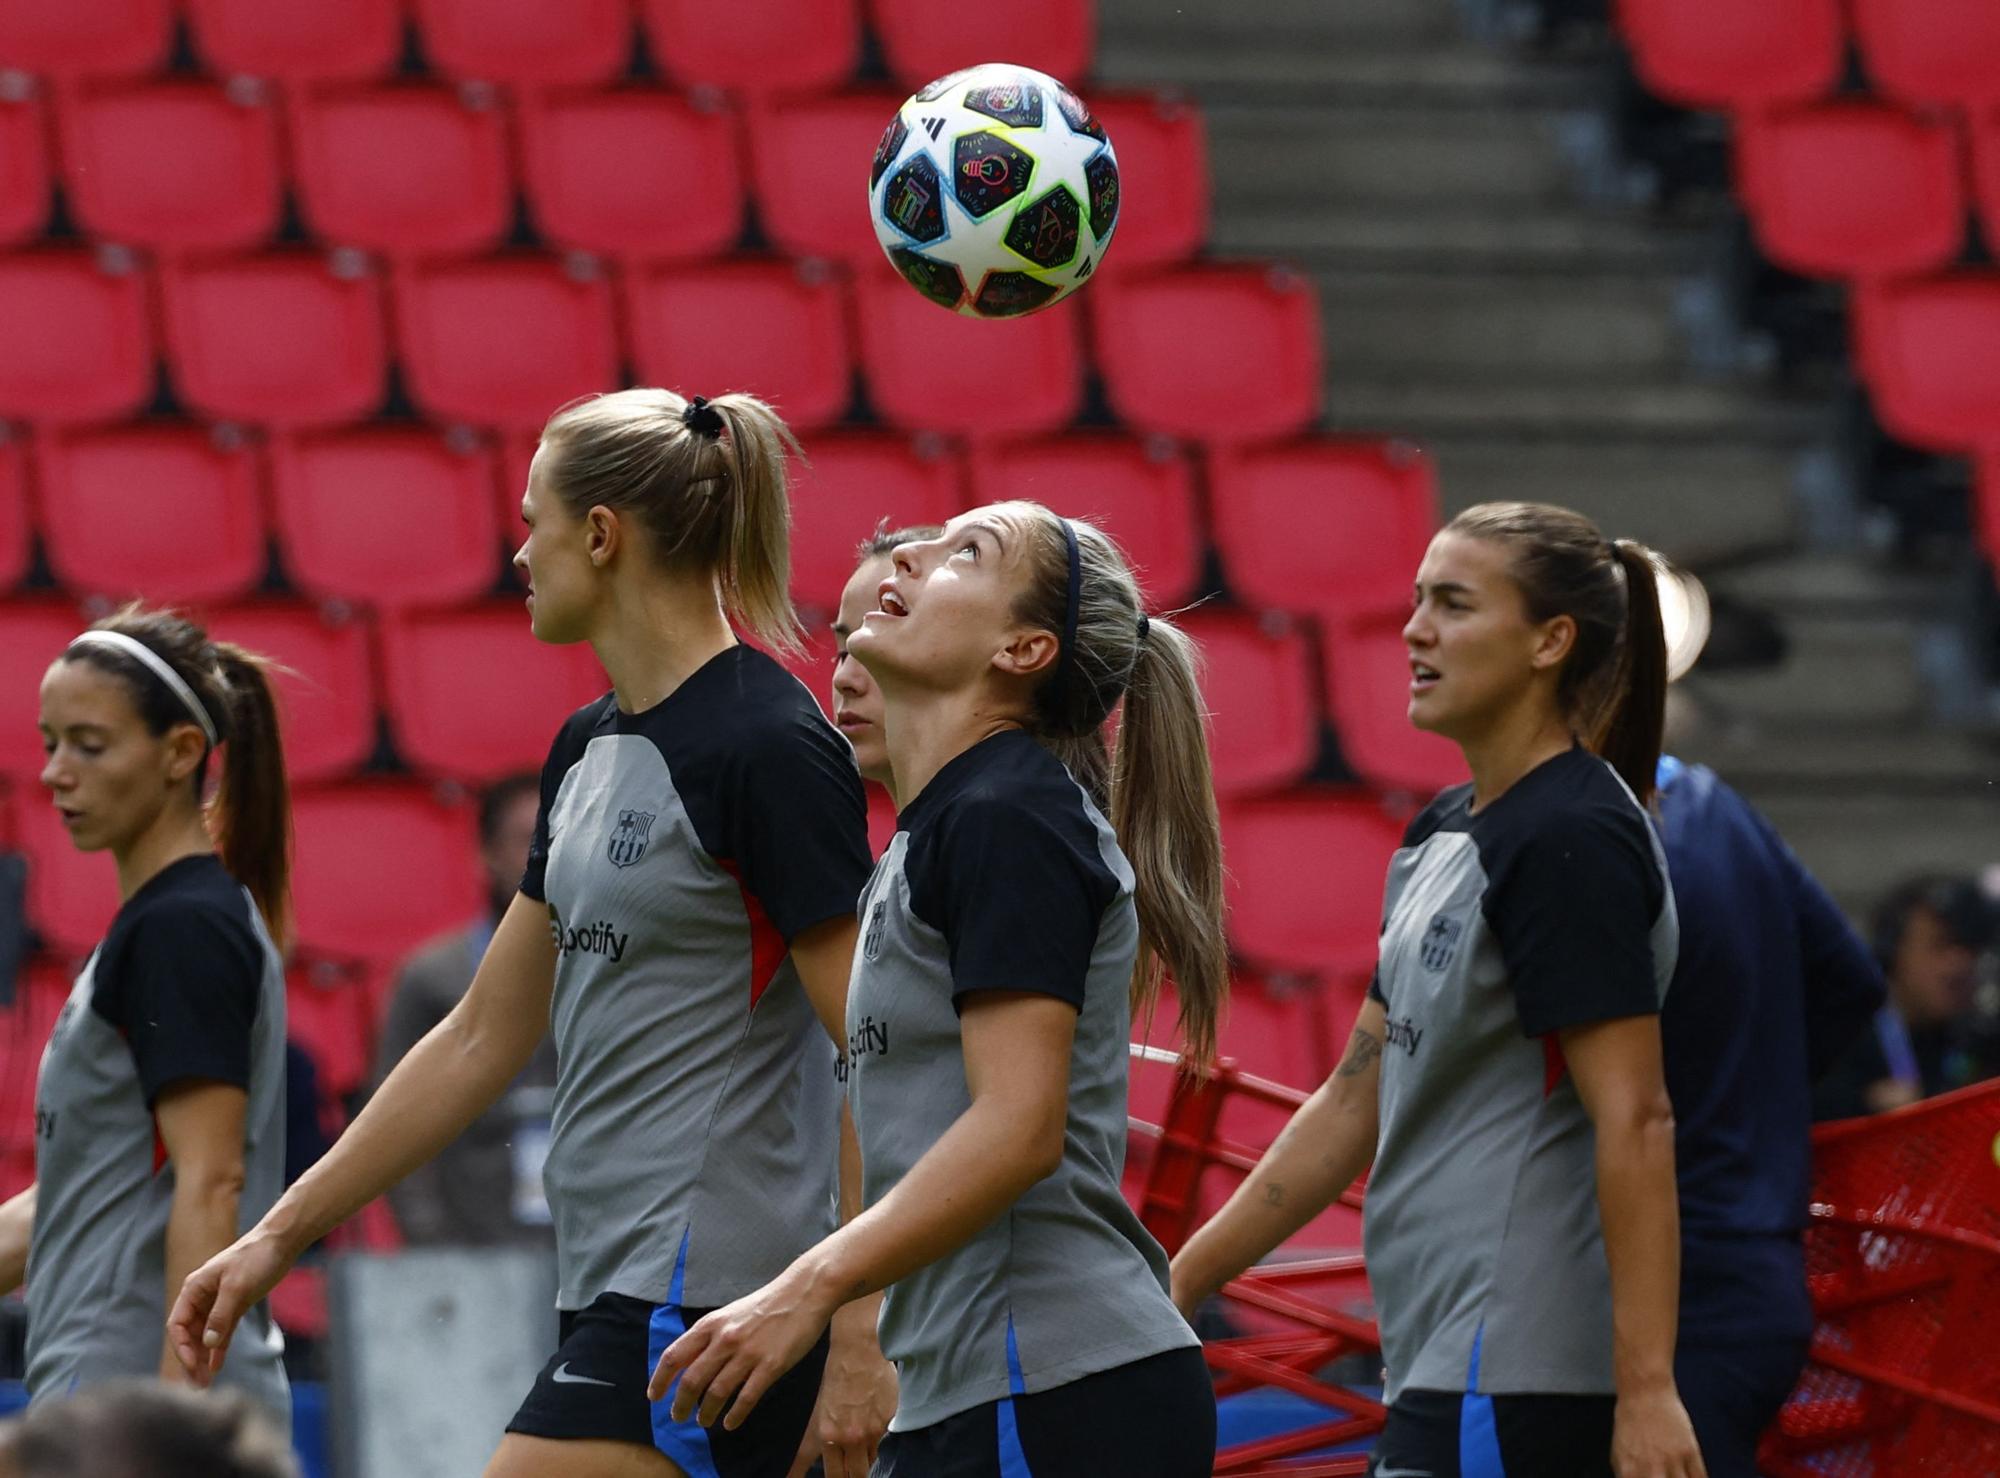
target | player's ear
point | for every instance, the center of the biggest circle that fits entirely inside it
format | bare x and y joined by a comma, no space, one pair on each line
603,533
1027,650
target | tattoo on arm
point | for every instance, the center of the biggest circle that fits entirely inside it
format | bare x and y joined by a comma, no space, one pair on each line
1274,1194
1365,1048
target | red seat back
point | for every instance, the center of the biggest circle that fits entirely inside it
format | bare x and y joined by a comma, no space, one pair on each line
403,170
1723,54
24,169
167,513
379,868
86,38
768,46
76,341
298,40
1305,881
849,485
1368,697
1257,682
536,43
924,42
325,682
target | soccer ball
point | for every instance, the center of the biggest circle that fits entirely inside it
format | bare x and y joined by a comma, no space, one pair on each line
994,192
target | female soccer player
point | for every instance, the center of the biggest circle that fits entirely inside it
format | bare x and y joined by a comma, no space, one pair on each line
688,907
1504,1076
160,1111
857,702
1010,932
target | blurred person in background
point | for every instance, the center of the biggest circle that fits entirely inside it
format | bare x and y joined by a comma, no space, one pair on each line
485,1188
1771,986
857,702
143,1429
1929,934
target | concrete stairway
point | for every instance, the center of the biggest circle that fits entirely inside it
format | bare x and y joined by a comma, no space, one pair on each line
1478,302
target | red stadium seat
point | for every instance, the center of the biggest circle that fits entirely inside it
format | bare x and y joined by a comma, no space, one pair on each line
1852,189
1139,492
297,41
168,513
32,635
1932,51
1368,698
849,485
1256,678
537,43
1332,528
347,499
178,166
1163,200
380,868
931,370
1305,881
325,682
802,153
403,170
924,42
24,169
1286,1032
635,175
86,38
775,329
71,895
517,455
284,340
767,46
1255,373
16,544
76,341
449,714
1725,54
1927,354
505,343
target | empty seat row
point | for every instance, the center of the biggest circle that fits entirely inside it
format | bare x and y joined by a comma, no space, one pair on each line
1864,189
636,174
760,46
300,340
1730,55
407,517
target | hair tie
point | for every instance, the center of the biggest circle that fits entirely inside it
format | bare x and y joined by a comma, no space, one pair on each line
1144,626
702,418
159,667
1071,602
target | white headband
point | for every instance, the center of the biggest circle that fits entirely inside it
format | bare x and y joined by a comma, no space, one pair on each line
161,668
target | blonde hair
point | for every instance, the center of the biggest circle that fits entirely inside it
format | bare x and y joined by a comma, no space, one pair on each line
706,479
1157,784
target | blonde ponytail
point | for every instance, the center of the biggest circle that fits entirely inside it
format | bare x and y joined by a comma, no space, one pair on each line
1156,785
707,481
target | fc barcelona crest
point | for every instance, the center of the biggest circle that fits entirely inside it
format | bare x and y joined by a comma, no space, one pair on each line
628,839
1440,943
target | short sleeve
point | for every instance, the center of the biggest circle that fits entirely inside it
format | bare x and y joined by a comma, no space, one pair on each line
1573,911
183,990
1019,897
564,753
797,826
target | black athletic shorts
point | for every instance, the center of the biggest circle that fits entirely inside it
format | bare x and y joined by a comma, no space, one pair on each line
594,1388
1449,1434
1154,1418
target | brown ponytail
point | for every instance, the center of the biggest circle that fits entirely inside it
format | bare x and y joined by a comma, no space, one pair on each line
1628,732
1156,785
706,480
1613,686
250,816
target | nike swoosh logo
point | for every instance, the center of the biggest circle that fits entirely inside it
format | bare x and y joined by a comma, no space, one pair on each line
562,1377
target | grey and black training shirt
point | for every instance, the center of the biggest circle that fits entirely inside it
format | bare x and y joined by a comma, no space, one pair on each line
1548,910
185,987
1003,876
680,851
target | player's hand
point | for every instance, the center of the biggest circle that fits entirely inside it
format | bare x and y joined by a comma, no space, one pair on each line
733,1356
1651,1437
857,1397
216,1296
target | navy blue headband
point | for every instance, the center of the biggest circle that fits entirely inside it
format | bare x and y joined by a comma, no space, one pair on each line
1071,601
